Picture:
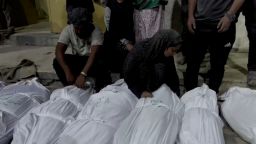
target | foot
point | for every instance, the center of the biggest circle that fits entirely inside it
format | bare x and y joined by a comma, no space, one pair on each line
251,79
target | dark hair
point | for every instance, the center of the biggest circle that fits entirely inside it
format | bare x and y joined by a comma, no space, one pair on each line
79,16
82,18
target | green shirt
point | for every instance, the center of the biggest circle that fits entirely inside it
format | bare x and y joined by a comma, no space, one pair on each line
148,4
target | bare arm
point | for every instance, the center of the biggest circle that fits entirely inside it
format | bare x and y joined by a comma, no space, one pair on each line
91,58
81,78
227,19
191,18
237,4
191,7
60,52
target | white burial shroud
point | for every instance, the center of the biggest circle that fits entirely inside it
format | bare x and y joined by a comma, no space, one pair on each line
154,120
201,123
45,123
101,116
239,110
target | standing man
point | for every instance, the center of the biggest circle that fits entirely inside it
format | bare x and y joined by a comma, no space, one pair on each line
212,23
249,12
85,40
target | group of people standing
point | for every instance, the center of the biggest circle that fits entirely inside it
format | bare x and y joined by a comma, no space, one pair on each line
211,28
137,45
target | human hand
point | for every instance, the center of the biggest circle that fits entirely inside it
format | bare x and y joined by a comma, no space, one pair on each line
80,81
146,94
129,47
191,24
70,77
224,24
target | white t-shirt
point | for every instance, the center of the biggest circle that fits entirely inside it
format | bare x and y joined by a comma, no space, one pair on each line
80,46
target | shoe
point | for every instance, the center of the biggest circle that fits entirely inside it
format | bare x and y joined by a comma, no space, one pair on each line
251,79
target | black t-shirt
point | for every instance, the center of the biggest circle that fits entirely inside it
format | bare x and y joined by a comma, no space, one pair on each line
211,11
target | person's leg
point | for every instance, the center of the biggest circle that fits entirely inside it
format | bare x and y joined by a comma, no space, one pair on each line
220,47
251,29
75,63
101,74
98,71
147,22
195,55
60,73
3,24
251,78
7,13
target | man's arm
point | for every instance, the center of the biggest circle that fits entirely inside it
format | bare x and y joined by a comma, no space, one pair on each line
81,78
227,19
60,52
237,4
191,18
94,50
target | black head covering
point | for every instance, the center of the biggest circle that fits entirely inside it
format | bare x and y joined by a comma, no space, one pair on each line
154,47
79,16
146,67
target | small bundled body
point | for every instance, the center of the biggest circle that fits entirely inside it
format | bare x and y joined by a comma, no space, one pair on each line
239,111
15,101
101,116
201,123
45,123
154,120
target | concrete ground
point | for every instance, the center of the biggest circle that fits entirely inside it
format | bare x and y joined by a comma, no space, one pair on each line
37,44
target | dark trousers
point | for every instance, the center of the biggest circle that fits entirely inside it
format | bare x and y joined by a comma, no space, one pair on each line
251,29
114,54
219,45
5,10
76,64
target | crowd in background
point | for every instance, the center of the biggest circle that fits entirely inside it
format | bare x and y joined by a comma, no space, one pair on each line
137,45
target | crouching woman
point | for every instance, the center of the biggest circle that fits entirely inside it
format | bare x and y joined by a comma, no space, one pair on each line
151,64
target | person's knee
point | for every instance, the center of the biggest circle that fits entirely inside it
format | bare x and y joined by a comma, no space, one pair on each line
218,66
55,62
